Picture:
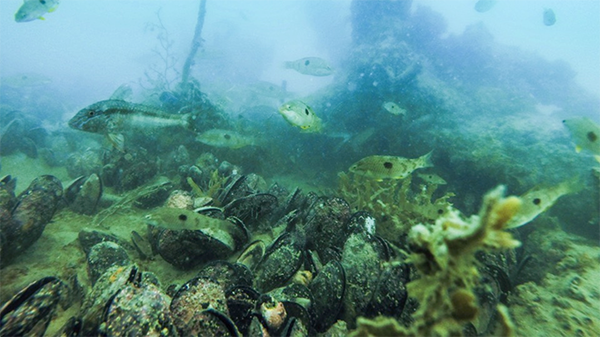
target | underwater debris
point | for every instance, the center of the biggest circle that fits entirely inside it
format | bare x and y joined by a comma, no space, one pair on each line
444,255
389,167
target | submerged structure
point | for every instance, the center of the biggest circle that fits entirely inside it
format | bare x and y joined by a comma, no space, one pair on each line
393,213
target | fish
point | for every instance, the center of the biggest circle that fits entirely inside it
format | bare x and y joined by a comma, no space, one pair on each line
225,138
268,89
394,109
111,117
549,17
35,9
539,199
299,114
431,178
586,135
483,6
314,66
389,167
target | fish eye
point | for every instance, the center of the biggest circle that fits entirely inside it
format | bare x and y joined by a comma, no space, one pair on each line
388,165
307,62
227,136
91,113
592,137
537,201
182,217
306,111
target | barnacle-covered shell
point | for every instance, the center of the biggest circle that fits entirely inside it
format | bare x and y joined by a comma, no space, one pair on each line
328,289
326,223
282,260
252,207
30,311
227,274
137,310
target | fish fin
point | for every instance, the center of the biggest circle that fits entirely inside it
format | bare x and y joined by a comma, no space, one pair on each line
597,157
53,8
427,159
41,18
578,149
117,140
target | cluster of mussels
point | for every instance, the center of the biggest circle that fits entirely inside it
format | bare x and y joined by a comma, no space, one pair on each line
24,217
325,265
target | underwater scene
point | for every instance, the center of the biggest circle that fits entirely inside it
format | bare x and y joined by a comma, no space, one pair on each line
299,168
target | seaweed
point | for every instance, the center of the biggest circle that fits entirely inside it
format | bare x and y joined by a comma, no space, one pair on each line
444,255
393,203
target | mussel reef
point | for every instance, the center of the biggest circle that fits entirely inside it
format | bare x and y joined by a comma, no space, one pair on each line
166,237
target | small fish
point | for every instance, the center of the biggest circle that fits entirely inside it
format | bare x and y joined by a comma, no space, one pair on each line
549,17
539,199
268,89
30,80
314,66
111,117
586,134
484,5
297,113
431,178
225,138
394,109
35,9
389,167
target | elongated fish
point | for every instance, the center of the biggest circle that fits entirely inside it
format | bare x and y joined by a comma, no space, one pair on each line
539,199
389,167
225,138
111,117
314,66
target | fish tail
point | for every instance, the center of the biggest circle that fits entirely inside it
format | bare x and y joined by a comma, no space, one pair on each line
189,122
426,159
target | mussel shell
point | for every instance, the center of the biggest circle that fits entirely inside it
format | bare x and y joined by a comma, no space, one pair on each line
328,289
154,195
83,194
185,238
236,188
252,254
187,248
7,193
227,274
241,301
326,224
390,294
137,310
72,328
362,221
104,256
252,207
361,260
142,245
29,312
195,296
282,260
